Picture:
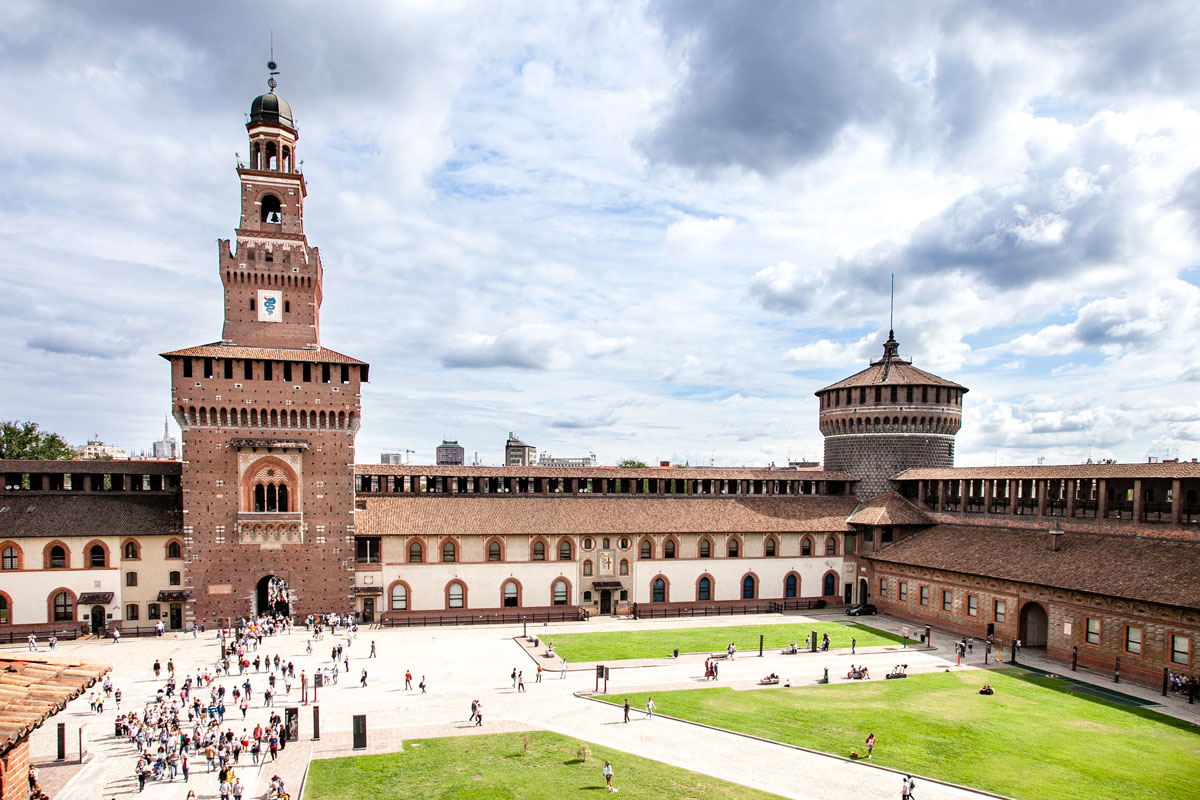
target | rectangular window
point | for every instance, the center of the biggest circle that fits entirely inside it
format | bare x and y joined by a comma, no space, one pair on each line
998,611
367,549
208,367
228,368
187,368
307,373
131,612
924,595
947,600
903,591
152,611
287,306
345,373
1133,640
883,587
1181,650
247,370
287,371
251,303
131,579
1092,635
324,373
972,605
175,578
266,370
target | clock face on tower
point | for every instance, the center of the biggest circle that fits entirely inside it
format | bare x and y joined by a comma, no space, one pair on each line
270,306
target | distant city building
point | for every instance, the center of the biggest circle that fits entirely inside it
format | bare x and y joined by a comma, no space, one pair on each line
166,448
451,454
803,464
393,459
547,460
517,453
98,449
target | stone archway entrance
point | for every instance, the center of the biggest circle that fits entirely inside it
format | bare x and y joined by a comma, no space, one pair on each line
864,591
1035,625
271,596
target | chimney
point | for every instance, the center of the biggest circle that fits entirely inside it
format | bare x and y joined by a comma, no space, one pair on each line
1056,538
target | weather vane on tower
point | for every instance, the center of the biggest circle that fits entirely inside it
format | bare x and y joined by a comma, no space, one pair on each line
272,66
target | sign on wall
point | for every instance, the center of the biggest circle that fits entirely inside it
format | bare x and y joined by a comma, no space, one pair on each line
270,306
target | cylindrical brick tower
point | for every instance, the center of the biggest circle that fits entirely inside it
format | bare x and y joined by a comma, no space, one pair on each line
888,418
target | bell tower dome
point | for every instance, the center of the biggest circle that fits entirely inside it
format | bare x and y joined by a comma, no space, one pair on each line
888,418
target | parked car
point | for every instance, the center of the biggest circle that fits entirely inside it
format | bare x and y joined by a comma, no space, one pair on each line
862,609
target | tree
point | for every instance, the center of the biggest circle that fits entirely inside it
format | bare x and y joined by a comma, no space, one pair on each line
631,463
24,440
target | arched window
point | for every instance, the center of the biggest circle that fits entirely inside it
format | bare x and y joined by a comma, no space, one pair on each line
448,552
732,548
705,548
669,548
415,553
58,557
174,578
559,592
624,566
97,557
493,551
587,566
3,610
174,550
704,589
64,607
659,591
10,558
131,551
271,209
539,550
790,586
748,587
512,595
564,550
830,587
588,543
283,497
260,498
399,597
456,596
831,546
806,547
769,547
646,550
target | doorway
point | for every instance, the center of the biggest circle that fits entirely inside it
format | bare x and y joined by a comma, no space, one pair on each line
271,596
606,601
368,609
864,591
98,620
176,616
1034,625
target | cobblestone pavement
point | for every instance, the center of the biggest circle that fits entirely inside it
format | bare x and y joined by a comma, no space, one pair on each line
461,664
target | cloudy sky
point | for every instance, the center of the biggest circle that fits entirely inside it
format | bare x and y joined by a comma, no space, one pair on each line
649,230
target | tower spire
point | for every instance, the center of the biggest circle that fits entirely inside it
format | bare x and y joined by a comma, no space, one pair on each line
892,310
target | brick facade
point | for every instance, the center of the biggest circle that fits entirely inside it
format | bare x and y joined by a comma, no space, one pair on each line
14,772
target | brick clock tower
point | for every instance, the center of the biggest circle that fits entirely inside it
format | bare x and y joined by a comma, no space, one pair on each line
888,418
268,415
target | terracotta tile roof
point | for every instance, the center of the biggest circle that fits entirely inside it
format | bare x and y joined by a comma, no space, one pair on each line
892,372
89,514
888,508
1151,571
217,350
684,473
551,516
1170,469
93,466
1107,527
32,689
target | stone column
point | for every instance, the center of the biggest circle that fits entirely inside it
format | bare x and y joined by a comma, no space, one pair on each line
941,495
1102,499
1072,491
1176,501
1138,500
1042,487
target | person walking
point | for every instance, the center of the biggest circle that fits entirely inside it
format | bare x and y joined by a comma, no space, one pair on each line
853,644
157,668
563,673
521,681
627,709
608,776
870,743
514,677
474,706
906,788
538,678
421,686
363,680
478,714
408,679
649,707
372,649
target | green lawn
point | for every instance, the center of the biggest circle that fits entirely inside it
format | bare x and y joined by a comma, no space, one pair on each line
1031,739
619,645
495,767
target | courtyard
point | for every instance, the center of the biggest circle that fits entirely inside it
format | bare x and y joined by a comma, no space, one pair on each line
460,665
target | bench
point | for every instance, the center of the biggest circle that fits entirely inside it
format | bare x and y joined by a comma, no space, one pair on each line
718,656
